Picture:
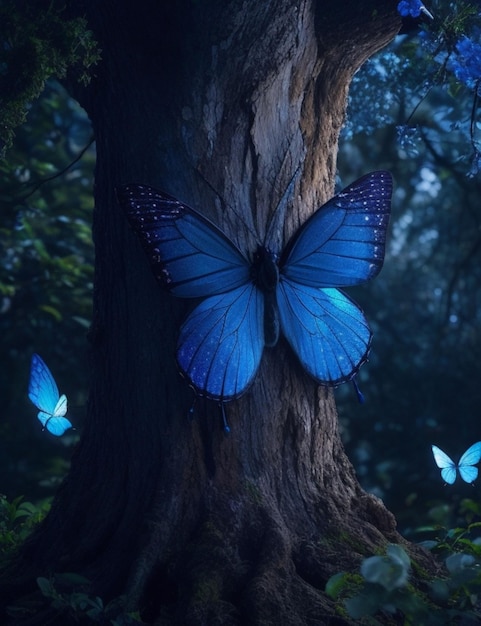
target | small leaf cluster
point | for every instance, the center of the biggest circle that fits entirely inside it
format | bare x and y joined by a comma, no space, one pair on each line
68,595
39,42
384,588
17,519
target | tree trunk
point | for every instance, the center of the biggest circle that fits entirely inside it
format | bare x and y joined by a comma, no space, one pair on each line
218,103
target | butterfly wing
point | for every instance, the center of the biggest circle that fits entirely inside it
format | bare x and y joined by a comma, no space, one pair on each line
343,243
468,472
221,343
445,464
42,388
43,392
189,255
326,330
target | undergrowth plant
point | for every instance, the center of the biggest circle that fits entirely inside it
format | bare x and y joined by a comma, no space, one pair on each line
66,593
382,589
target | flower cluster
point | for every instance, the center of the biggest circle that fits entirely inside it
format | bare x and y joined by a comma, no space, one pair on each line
412,8
466,64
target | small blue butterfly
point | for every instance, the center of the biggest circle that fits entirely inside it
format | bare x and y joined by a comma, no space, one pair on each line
466,468
249,299
43,392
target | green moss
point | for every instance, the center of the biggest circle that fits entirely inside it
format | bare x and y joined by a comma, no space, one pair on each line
336,537
419,571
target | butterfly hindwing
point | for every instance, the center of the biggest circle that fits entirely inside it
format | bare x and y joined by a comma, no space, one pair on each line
56,423
221,343
343,242
326,329
43,392
189,255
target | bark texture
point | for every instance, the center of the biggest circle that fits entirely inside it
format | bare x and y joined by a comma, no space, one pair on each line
218,103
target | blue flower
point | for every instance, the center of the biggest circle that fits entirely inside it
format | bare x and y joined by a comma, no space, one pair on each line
466,65
414,8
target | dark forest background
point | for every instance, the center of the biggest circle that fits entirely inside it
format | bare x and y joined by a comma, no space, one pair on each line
422,381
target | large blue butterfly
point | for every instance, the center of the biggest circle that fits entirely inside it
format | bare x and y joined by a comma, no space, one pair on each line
466,468
246,302
43,392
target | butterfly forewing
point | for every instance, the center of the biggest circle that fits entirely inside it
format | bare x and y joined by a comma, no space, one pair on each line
189,255
327,331
42,388
472,455
221,343
343,243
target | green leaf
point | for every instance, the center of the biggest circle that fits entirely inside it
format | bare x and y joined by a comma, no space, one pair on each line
336,584
46,587
390,571
459,561
52,311
362,605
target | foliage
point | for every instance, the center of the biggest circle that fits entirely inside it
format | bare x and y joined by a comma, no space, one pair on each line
384,587
39,42
17,519
68,595
431,76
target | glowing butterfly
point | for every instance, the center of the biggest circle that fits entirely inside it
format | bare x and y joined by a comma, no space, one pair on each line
466,468
43,392
248,300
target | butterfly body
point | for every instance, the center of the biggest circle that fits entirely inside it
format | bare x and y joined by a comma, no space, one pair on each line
44,394
465,467
265,276
247,303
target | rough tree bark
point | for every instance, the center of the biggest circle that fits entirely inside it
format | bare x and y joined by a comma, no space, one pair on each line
197,527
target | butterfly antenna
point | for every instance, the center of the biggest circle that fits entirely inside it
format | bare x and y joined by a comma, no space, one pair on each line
359,394
240,216
280,213
224,419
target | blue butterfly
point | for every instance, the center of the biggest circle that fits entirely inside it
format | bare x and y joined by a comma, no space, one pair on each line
43,392
466,468
246,303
